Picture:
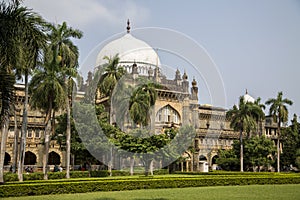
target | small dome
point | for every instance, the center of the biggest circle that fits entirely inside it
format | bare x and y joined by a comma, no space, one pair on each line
184,76
130,50
248,98
194,82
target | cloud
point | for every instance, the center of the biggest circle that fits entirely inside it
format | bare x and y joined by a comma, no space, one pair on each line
87,13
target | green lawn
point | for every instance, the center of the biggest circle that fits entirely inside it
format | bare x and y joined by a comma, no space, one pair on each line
257,192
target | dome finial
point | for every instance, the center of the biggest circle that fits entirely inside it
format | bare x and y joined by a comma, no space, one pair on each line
246,91
128,26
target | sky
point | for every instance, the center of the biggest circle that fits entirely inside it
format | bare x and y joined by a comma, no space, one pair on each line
255,45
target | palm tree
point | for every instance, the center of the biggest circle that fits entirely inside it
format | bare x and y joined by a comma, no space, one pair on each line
279,111
21,40
109,79
112,74
140,103
9,57
47,89
67,54
243,119
32,28
260,116
7,81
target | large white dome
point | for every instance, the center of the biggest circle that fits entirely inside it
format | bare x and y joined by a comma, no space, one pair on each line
130,50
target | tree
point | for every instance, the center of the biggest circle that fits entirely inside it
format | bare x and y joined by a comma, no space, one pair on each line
21,41
297,161
278,109
228,160
112,74
260,116
47,90
141,101
67,55
108,80
290,138
79,152
93,136
6,96
259,152
243,119
9,58
141,143
32,28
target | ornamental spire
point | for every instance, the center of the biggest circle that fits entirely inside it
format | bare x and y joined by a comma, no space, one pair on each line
128,26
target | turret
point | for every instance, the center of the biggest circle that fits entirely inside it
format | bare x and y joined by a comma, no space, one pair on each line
194,90
185,83
178,77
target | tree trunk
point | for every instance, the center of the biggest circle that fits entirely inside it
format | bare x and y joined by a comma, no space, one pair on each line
68,135
47,141
151,168
131,165
110,163
147,166
278,147
16,146
23,132
278,141
241,151
4,132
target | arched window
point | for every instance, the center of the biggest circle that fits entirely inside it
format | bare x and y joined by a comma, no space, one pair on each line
7,159
214,159
29,133
30,158
168,114
202,158
54,158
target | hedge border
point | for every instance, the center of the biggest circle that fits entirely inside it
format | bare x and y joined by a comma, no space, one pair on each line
14,190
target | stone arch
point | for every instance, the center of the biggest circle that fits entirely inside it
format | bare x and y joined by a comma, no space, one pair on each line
202,158
214,159
7,159
54,158
30,158
168,114
186,155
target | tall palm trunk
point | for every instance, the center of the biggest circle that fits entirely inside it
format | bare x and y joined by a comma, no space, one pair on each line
241,151
23,132
47,141
68,134
16,146
3,134
278,143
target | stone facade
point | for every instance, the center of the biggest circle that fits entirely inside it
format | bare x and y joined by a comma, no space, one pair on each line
175,107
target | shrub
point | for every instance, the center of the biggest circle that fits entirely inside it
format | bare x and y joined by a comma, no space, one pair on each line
161,172
60,187
10,177
99,173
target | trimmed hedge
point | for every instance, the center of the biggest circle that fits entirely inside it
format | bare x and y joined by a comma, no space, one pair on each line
9,177
231,173
45,188
51,175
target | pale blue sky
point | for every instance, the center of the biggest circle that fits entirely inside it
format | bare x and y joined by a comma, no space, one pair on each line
255,44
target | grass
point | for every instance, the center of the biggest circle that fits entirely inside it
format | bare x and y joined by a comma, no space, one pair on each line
257,192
